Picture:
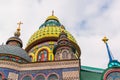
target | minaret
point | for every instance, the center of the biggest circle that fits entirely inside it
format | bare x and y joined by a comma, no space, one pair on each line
15,40
112,61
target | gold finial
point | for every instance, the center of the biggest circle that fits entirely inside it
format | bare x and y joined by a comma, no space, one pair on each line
105,39
52,12
19,23
17,33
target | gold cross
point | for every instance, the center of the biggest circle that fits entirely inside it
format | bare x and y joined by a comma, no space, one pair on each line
52,12
105,39
19,23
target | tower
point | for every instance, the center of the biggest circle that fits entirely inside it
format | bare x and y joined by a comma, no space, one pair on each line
64,50
113,70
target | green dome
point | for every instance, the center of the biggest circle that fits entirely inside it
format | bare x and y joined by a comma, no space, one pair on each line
114,63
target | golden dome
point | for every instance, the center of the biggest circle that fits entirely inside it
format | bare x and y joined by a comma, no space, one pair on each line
52,17
51,31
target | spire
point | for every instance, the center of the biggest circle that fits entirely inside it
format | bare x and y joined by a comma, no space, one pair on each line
108,49
52,12
17,33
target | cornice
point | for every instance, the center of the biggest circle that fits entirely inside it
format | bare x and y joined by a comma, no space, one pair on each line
40,65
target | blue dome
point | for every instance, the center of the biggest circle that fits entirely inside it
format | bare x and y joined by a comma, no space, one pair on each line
14,50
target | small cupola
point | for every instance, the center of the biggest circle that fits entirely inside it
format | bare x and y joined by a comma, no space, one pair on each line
64,49
15,40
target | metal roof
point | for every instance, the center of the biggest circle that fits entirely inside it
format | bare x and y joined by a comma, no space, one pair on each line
14,50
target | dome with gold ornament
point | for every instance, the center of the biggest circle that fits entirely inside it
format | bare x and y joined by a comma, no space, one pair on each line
50,30
13,50
16,36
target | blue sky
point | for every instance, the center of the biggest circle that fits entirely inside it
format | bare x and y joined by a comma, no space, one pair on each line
88,20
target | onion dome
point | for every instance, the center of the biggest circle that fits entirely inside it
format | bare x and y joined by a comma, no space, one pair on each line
50,31
114,63
17,54
15,40
52,17
51,21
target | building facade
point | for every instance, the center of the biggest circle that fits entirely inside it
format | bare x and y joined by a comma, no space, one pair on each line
52,53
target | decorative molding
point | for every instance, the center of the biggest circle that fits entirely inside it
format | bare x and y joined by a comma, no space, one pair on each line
71,75
40,65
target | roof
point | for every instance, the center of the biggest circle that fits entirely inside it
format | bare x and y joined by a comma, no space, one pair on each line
91,73
14,38
14,50
52,17
51,31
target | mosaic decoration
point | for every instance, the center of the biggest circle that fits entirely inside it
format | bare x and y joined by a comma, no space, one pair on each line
38,61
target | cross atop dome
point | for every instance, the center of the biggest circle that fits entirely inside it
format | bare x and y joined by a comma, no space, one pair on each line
52,17
52,12
19,23
17,33
108,49
112,61
105,39
15,40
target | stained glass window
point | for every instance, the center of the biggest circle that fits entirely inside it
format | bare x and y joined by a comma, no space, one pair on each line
40,77
53,77
42,56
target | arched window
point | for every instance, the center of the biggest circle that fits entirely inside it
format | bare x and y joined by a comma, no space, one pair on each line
42,55
40,77
53,77
27,78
